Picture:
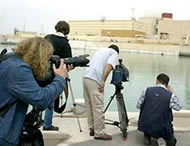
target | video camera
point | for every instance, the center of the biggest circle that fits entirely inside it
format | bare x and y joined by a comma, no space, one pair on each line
80,60
120,74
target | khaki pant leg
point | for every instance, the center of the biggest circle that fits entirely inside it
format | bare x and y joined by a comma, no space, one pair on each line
88,102
97,104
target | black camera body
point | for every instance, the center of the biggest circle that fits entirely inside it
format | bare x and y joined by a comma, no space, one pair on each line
120,74
80,60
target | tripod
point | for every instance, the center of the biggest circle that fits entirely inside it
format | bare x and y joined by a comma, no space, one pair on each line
123,118
74,103
62,108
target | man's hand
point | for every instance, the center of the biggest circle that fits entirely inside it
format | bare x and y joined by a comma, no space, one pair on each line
101,88
170,88
62,70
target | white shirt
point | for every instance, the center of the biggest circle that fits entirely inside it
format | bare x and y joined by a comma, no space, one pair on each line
98,63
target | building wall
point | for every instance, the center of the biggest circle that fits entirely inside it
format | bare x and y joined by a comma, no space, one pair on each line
106,27
150,25
25,34
121,33
176,29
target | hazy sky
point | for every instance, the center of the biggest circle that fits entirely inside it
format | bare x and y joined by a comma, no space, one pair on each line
42,15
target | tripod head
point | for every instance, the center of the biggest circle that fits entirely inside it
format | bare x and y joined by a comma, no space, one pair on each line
118,88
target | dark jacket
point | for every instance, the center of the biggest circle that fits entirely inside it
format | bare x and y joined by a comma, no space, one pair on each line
156,115
61,45
17,83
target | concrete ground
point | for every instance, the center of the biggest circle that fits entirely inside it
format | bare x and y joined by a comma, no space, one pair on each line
69,133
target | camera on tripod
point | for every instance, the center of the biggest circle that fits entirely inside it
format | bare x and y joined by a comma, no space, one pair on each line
120,74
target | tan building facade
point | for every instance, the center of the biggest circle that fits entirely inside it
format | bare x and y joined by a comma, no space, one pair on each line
166,28
107,28
152,28
174,29
150,25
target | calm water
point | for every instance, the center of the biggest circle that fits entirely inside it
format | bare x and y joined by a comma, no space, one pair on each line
143,69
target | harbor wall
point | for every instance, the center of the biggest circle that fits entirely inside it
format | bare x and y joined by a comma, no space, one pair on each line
161,49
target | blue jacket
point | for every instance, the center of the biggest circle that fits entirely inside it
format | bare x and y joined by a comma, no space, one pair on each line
17,83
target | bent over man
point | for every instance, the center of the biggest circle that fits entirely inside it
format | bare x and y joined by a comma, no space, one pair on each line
94,80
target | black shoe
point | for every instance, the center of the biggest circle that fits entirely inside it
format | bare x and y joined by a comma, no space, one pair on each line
147,139
91,132
51,128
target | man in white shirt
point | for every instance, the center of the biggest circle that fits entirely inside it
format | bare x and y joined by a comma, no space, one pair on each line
94,80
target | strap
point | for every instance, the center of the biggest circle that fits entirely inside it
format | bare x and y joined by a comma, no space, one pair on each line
58,109
3,52
6,56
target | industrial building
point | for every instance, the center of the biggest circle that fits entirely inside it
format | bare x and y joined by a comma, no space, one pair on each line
162,28
109,28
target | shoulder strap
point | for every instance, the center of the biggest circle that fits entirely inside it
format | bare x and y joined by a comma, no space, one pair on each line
60,109
3,52
4,55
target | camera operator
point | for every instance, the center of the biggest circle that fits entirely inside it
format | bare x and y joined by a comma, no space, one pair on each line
94,80
19,88
62,48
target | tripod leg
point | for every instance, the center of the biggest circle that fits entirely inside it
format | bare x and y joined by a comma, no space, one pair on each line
111,98
122,114
74,104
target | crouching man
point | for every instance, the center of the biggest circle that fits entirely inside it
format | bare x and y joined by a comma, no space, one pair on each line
155,119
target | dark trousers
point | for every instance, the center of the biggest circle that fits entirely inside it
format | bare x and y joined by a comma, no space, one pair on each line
170,141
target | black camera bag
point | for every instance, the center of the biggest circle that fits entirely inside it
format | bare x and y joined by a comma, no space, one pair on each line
31,135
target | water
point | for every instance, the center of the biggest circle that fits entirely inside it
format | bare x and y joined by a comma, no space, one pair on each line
143,69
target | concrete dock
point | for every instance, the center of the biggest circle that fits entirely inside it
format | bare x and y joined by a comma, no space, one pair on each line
69,133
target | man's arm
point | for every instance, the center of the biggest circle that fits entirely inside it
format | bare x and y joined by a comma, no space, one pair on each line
141,99
107,70
175,103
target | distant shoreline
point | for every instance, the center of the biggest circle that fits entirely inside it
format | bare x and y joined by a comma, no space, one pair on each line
144,48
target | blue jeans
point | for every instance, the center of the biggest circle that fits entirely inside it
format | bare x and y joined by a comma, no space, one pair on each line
48,118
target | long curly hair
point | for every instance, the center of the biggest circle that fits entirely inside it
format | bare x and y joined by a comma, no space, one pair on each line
36,52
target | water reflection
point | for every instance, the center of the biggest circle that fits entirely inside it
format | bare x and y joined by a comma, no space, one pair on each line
143,70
